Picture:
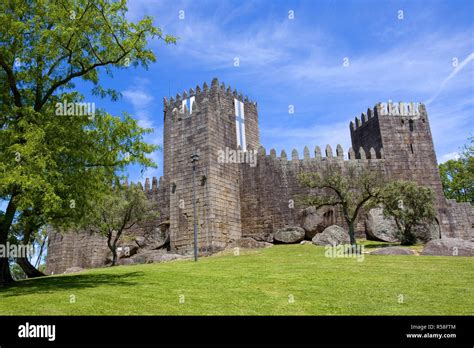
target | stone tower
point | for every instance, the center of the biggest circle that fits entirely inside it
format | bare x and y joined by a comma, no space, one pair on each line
206,121
400,133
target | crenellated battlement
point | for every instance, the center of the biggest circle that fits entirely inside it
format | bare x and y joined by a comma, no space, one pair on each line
156,184
412,110
201,92
329,155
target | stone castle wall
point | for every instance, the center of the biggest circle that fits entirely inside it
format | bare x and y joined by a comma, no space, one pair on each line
87,249
269,191
75,249
239,200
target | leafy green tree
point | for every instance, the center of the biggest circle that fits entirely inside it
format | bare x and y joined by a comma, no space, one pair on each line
351,189
119,211
60,165
410,205
457,175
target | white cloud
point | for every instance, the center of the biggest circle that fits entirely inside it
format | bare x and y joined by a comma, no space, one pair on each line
401,69
458,68
141,100
449,156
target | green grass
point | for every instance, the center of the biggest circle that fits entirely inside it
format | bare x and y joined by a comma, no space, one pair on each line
258,282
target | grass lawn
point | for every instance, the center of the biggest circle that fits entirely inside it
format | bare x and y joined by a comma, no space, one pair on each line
281,280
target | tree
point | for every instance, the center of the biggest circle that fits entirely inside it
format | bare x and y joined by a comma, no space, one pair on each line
457,175
410,205
351,189
55,164
118,212
25,232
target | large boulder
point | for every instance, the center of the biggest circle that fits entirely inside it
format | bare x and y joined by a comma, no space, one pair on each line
157,238
126,250
141,241
262,237
312,222
154,256
379,228
426,232
289,235
332,235
393,251
249,243
134,260
449,247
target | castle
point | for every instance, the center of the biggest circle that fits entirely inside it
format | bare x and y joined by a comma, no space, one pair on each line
241,198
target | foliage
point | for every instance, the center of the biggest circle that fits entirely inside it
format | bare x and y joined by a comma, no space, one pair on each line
410,205
57,166
457,175
352,189
117,212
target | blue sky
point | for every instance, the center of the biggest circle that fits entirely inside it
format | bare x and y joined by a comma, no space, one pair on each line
401,56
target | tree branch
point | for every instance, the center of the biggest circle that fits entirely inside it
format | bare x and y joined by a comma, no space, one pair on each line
11,81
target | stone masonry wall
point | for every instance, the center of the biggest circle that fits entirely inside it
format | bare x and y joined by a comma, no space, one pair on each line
75,249
268,190
88,250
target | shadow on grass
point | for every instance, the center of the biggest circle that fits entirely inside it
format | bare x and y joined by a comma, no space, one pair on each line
380,245
68,282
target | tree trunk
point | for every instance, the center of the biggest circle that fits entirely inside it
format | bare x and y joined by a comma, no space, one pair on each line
5,274
350,223
352,233
408,238
23,262
28,268
114,257
112,247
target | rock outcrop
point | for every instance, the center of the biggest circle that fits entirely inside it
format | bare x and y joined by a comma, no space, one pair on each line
289,235
449,247
393,251
332,235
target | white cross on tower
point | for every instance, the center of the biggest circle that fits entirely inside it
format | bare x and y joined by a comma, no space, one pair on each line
240,124
188,103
